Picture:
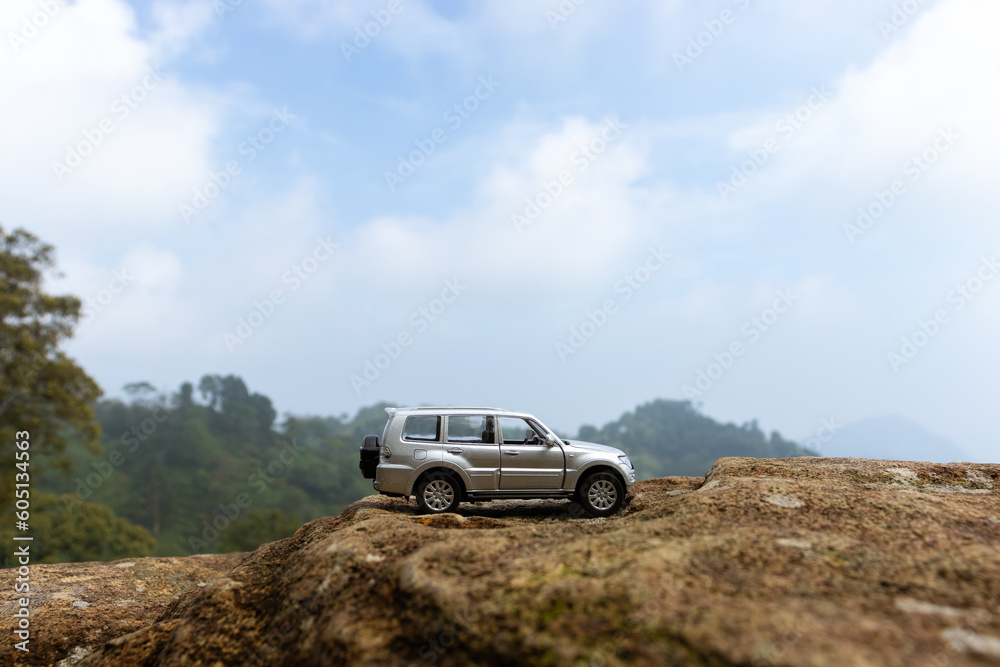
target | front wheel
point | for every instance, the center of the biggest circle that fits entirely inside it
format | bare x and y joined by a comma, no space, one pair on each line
437,493
601,494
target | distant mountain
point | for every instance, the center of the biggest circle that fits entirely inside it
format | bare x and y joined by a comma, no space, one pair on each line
892,438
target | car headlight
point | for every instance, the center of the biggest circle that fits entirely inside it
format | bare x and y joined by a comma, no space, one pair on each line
624,459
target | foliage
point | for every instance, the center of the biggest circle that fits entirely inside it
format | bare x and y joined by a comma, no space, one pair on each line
67,530
194,474
259,527
672,438
42,391
221,475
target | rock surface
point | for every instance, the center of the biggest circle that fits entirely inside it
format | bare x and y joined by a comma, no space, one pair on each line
77,607
764,562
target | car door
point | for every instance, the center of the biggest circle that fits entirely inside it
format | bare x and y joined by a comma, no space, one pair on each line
526,461
471,445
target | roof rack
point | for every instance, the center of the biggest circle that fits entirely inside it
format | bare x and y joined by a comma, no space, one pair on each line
450,407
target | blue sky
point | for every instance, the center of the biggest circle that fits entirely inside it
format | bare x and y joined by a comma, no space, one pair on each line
214,177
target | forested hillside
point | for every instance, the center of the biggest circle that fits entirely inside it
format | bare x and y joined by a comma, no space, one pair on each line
672,438
215,472
213,469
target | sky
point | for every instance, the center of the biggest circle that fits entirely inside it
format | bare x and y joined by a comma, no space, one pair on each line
778,210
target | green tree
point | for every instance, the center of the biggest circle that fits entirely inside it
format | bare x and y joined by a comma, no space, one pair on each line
68,530
42,391
173,464
672,438
257,528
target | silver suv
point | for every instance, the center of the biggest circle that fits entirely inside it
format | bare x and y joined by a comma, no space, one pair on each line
447,455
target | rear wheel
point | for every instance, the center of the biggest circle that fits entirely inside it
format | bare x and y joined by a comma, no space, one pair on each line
601,494
437,493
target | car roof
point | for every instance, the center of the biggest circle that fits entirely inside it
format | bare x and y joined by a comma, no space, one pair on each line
454,410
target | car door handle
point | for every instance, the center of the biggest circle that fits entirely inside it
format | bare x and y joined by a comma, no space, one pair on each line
511,452
455,450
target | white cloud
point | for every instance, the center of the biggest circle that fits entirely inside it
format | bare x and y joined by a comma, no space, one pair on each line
572,231
87,94
135,299
941,73
652,185
155,270
178,24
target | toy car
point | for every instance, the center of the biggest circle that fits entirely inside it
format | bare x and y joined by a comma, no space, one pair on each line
445,455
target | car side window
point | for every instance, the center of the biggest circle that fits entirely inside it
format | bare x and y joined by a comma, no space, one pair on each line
423,428
471,429
517,431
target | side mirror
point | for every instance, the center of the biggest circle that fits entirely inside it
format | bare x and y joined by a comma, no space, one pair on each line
550,439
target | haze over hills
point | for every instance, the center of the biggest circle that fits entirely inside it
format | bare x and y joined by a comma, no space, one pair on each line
172,466
891,437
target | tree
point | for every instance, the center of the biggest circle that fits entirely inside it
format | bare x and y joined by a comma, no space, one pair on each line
42,391
673,438
75,531
257,528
